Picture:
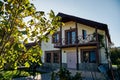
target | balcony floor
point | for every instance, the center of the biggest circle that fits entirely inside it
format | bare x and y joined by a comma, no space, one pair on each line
74,45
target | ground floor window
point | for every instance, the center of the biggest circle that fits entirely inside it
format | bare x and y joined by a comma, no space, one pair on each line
89,56
48,57
52,56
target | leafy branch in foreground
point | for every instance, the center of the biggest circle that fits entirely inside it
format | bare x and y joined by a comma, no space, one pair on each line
16,17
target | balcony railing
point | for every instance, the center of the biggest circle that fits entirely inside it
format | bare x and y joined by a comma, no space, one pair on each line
88,39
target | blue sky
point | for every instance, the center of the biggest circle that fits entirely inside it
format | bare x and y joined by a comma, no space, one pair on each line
104,11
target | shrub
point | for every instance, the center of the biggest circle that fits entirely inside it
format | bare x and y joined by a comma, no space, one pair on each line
64,74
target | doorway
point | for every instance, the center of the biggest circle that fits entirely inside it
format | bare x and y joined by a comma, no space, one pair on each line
71,60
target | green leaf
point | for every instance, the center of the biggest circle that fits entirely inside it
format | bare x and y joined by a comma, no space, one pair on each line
15,65
42,13
1,3
23,32
26,41
16,46
27,64
52,15
5,0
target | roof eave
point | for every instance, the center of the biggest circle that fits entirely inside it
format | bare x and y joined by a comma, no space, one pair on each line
67,18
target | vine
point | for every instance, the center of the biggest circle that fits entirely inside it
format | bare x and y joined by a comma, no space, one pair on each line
101,42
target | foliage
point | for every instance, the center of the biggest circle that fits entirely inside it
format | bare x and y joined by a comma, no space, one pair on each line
115,56
115,59
10,74
77,76
100,39
16,31
101,43
65,74
5,75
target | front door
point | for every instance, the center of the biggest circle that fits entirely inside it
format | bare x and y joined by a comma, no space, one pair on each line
71,60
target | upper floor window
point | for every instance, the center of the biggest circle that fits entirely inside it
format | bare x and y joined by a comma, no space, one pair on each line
56,37
84,34
70,36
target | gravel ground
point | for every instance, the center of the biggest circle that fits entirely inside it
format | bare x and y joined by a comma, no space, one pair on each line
86,75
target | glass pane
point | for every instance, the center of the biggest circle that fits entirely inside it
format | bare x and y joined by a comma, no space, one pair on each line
85,56
56,38
48,57
92,56
84,34
73,37
68,38
55,57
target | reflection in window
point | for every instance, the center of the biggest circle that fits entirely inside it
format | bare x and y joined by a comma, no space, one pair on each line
92,56
73,36
85,57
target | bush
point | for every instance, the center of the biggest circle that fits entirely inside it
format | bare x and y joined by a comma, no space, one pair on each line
77,76
64,74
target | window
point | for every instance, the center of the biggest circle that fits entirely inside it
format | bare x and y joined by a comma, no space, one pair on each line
92,56
70,36
55,58
56,37
84,34
89,56
48,57
52,57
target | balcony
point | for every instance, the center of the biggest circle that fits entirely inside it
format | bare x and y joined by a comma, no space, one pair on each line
90,39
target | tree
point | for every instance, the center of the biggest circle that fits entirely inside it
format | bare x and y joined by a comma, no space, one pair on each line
115,56
15,32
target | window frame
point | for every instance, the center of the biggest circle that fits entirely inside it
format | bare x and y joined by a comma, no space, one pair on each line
52,56
88,50
66,36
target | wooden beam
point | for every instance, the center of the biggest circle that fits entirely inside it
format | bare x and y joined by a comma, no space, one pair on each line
77,65
60,47
97,55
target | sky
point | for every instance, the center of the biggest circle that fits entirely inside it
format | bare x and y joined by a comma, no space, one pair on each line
103,11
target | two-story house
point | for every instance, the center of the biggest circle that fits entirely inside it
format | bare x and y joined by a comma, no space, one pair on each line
77,44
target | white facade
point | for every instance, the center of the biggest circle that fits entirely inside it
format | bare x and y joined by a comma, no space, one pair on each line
65,51
48,46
